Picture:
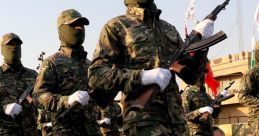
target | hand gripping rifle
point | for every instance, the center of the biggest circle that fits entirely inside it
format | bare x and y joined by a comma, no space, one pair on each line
189,46
218,99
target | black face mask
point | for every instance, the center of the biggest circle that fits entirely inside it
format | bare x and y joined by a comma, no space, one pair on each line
71,36
12,54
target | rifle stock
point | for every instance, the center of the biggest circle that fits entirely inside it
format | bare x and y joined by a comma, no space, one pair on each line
149,93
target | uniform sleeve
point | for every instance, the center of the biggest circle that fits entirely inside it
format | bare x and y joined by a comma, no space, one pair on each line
44,86
102,74
191,115
247,86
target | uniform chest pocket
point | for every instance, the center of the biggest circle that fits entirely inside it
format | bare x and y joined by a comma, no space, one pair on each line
7,89
67,75
138,42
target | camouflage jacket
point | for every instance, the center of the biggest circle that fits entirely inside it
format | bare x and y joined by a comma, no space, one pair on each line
193,99
113,112
12,84
249,93
129,44
60,76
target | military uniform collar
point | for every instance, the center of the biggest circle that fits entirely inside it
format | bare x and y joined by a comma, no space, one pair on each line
7,68
139,13
77,54
66,51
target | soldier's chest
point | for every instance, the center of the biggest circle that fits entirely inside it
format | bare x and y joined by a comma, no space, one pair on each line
157,43
11,87
200,100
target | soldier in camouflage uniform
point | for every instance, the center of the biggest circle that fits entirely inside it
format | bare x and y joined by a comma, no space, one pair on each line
134,51
62,81
249,93
111,120
195,102
15,119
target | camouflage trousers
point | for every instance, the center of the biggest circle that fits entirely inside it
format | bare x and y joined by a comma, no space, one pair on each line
155,129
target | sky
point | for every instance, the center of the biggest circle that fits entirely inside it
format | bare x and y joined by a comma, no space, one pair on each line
35,23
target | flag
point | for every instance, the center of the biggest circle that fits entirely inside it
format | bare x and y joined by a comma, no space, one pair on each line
257,16
252,64
189,14
212,83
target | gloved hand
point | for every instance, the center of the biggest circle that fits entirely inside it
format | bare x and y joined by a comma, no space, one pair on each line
13,109
205,28
159,76
106,121
79,96
224,93
206,109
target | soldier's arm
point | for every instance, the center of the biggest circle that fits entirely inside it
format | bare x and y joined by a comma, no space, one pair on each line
187,100
44,86
247,86
101,73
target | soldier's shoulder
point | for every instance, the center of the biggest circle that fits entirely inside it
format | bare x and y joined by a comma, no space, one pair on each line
118,19
30,71
254,72
191,91
88,61
167,25
55,59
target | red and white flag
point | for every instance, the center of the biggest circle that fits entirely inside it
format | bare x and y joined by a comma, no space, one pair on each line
190,12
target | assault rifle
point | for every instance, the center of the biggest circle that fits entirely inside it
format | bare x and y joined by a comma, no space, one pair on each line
217,101
189,46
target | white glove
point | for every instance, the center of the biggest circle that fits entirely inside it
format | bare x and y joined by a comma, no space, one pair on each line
158,76
13,109
206,109
224,93
205,28
106,121
79,96
49,124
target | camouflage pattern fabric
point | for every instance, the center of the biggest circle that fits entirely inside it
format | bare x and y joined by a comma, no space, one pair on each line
128,44
113,112
13,82
61,75
193,99
249,96
42,120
